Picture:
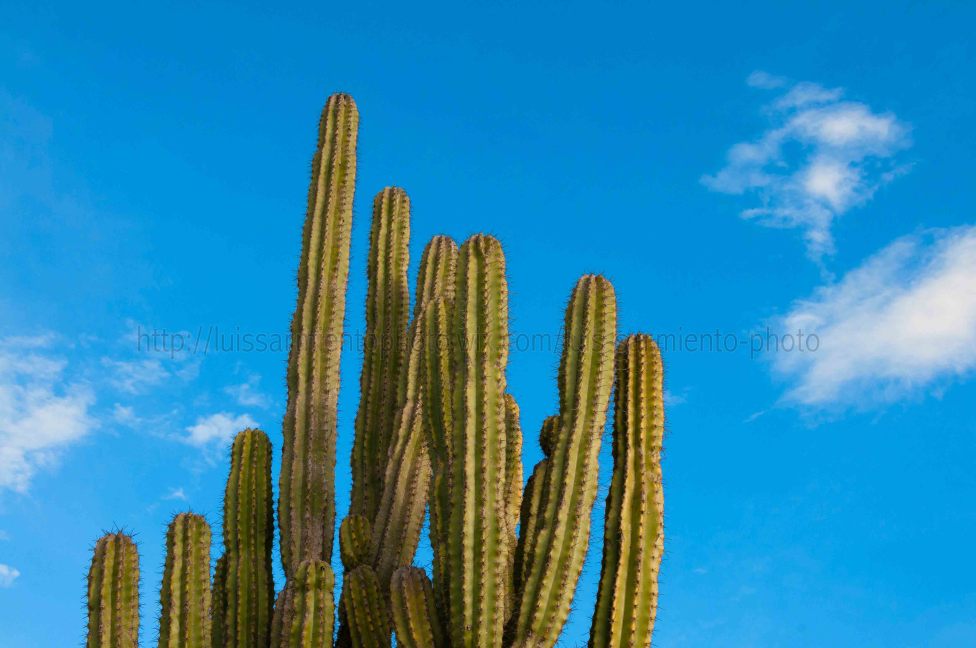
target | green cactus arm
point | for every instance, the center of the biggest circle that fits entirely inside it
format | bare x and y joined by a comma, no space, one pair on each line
248,535
184,620
513,492
366,609
414,611
113,593
218,604
633,539
355,539
478,517
305,611
585,380
306,506
384,352
533,502
396,530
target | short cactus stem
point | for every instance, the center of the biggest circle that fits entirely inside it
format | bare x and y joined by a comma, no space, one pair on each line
305,611
354,541
113,593
306,507
366,609
633,539
218,604
555,558
248,531
184,620
414,611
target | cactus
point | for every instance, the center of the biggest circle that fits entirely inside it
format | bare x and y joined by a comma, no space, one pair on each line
248,531
113,593
554,556
184,620
387,309
306,508
633,538
436,427
365,609
414,610
218,604
305,611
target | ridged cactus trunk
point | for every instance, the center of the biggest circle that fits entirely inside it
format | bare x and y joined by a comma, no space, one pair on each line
184,620
305,613
633,539
552,557
248,536
414,610
113,593
306,508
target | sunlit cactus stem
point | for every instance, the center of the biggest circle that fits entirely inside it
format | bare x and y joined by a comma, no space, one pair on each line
553,558
414,611
113,593
365,609
184,620
305,612
248,535
306,507
633,539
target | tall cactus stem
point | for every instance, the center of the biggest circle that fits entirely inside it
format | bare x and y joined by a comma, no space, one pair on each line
306,507
384,353
184,620
633,539
218,604
305,611
113,593
366,609
571,476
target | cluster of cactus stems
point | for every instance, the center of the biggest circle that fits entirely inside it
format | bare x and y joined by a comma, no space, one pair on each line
437,433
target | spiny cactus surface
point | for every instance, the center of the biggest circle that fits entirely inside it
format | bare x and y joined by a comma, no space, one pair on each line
184,620
113,593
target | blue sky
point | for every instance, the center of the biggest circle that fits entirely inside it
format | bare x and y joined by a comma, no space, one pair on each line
740,174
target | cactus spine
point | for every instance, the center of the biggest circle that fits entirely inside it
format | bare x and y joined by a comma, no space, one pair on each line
185,596
554,555
248,531
113,593
414,610
305,612
633,540
306,509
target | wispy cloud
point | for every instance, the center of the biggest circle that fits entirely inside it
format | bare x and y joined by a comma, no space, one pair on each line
8,575
820,157
217,429
135,376
248,394
176,494
902,321
41,412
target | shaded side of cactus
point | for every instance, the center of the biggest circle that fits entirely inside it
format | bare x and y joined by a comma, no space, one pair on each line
305,611
113,593
355,538
365,609
185,595
513,493
384,352
570,484
478,517
414,610
306,507
633,539
218,604
248,534
533,502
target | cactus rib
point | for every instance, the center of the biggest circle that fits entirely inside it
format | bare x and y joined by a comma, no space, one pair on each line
113,593
185,595
414,611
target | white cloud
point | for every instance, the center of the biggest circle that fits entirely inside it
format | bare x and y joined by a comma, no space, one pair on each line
8,575
176,494
135,376
820,157
41,412
217,429
247,394
903,321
